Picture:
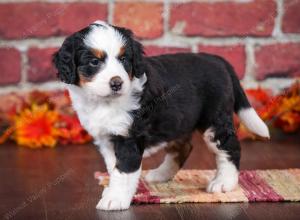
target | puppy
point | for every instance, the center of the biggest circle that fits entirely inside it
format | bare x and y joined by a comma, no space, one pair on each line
134,105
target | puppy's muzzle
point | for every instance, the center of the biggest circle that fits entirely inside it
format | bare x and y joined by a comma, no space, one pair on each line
115,83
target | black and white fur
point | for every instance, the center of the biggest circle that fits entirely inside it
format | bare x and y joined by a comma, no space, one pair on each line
162,100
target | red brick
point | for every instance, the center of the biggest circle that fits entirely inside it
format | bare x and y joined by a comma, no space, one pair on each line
40,66
156,50
23,20
277,60
144,19
10,66
291,17
224,18
79,15
234,54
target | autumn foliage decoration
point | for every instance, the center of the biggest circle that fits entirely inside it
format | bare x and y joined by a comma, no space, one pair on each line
40,119
280,111
46,119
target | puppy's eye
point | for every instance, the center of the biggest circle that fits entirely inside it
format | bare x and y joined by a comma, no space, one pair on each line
122,58
94,62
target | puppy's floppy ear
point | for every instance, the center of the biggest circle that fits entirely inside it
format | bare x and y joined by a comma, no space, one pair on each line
64,61
138,64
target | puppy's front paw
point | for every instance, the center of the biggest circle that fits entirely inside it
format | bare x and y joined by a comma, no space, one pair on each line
113,201
222,183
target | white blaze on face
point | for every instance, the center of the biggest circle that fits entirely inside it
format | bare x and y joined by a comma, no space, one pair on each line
108,40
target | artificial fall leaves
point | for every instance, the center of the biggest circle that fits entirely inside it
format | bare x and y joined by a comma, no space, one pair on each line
284,110
36,127
45,119
280,111
40,119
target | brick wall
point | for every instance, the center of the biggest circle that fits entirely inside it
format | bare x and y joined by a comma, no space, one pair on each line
261,38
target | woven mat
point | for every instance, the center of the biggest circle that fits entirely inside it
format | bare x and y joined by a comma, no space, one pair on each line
189,186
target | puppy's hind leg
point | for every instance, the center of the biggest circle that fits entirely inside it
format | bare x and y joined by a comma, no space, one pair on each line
225,145
176,154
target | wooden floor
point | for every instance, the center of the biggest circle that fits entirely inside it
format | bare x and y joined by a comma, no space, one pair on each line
58,184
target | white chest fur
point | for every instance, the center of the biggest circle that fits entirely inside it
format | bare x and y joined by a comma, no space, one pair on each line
101,118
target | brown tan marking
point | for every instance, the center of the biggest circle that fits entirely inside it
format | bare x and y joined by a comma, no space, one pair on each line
121,52
130,76
83,79
98,53
181,148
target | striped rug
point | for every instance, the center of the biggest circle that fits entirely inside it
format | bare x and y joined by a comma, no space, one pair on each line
189,186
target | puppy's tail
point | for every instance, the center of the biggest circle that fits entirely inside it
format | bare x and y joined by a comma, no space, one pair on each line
244,110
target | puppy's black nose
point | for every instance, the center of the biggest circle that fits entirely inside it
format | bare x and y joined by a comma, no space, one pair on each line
116,83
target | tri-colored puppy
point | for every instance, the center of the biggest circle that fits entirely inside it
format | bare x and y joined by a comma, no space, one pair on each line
134,105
